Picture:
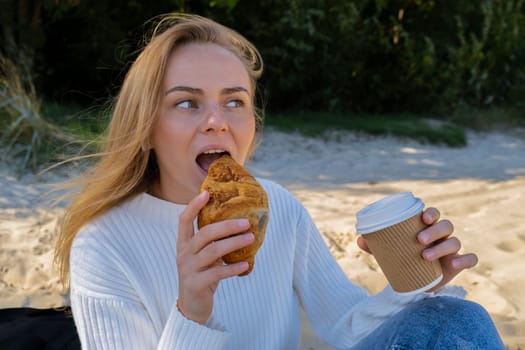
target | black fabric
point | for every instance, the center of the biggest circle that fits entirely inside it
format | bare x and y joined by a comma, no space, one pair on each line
42,329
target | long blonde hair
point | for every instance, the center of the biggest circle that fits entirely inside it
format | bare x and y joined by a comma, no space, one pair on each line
126,166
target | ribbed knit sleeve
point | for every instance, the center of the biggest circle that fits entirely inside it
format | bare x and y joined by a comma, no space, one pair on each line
340,312
110,298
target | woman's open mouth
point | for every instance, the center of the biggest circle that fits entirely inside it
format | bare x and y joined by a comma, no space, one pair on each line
205,159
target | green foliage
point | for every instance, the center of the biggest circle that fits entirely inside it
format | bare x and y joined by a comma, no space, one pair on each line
375,56
485,61
227,4
505,119
405,60
86,124
389,55
400,125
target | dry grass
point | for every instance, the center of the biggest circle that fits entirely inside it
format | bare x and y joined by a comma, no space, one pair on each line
27,136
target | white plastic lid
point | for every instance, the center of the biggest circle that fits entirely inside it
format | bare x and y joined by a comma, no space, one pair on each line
388,211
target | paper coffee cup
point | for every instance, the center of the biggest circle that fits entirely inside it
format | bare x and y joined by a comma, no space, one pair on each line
390,227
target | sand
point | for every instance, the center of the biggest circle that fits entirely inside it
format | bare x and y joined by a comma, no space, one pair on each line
480,188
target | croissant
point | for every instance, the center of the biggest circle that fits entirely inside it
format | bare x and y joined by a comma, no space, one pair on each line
234,193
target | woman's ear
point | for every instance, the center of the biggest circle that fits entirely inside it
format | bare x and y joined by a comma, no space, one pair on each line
146,145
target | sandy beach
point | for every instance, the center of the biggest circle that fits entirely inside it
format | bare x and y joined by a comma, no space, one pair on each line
480,188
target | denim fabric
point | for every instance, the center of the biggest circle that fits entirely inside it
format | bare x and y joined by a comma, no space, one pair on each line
440,323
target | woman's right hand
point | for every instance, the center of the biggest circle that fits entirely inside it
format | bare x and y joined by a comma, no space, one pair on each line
199,264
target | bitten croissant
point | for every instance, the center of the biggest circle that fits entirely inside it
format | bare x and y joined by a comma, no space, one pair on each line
234,193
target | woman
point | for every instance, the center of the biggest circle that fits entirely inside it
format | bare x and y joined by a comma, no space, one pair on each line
142,277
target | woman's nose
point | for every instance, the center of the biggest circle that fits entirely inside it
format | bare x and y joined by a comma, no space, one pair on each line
215,120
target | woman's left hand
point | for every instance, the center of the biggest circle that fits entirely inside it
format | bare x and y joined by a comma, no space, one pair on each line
443,247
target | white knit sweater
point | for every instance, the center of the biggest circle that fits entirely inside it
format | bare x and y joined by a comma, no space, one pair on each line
124,285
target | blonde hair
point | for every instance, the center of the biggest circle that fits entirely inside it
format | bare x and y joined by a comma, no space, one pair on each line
126,166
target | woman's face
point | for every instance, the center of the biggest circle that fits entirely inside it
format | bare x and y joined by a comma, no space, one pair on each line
207,109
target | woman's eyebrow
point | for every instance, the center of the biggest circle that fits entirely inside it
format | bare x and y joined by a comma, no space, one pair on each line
185,89
227,91
197,91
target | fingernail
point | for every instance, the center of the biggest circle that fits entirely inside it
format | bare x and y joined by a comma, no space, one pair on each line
428,254
424,237
428,217
244,265
242,223
248,237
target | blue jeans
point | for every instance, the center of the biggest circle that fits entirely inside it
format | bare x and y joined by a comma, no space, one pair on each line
441,323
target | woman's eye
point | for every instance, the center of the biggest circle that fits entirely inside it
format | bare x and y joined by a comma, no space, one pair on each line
186,104
234,103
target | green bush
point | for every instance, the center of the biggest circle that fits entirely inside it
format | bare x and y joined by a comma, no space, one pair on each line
388,56
375,56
